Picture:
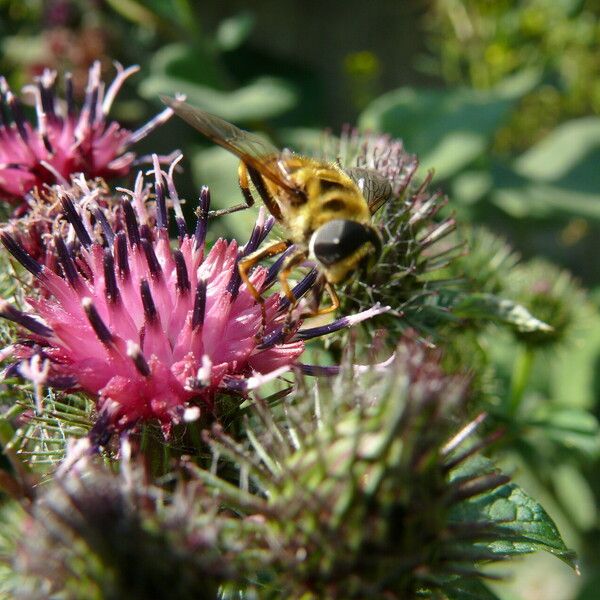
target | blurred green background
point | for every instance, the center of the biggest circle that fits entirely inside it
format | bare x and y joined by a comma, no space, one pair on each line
501,98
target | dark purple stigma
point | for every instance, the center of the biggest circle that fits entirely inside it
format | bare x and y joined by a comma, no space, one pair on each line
199,304
111,289
98,325
151,259
74,219
32,265
150,311
202,223
133,230
122,255
183,281
13,314
67,263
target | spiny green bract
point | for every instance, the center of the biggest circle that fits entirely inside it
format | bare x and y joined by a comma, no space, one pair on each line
358,492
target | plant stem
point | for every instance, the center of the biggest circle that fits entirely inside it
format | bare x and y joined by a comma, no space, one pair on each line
520,378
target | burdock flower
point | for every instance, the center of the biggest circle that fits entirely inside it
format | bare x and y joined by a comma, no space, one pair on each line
44,218
65,141
369,488
416,243
95,533
147,329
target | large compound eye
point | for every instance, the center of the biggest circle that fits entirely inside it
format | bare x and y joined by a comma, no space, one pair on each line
340,238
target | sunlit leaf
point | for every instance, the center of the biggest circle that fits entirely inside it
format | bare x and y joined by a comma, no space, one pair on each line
262,98
565,155
233,32
558,175
494,308
577,497
519,515
572,428
449,128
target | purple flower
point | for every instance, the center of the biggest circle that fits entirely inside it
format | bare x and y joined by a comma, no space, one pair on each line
147,329
65,141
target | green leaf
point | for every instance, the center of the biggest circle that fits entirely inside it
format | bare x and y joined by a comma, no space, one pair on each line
565,154
471,187
526,525
494,308
262,98
574,377
545,201
559,174
135,11
20,49
197,64
448,129
196,72
576,496
571,427
468,589
233,32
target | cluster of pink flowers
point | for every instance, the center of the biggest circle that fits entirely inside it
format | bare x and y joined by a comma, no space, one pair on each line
64,141
152,332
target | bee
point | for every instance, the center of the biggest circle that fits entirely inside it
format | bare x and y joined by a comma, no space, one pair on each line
325,210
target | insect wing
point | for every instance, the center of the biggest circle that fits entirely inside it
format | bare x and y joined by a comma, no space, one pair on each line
250,148
376,189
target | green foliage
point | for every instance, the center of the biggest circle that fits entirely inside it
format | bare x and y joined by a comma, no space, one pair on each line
516,512
448,129
177,67
387,499
482,43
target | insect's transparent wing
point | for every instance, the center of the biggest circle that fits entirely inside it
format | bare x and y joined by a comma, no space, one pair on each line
376,188
249,147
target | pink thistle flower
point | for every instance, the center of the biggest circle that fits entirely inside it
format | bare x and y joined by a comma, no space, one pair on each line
65,141
35,230
154,332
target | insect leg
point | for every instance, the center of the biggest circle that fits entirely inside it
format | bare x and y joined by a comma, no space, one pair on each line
292,261
245,187
335,303
250,261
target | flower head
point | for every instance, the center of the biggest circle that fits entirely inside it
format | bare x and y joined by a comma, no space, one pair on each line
147,329
64,141
415,236
95,533
45,217
368,488
552,295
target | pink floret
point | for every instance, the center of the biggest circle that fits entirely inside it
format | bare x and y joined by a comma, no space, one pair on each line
164,330
65,141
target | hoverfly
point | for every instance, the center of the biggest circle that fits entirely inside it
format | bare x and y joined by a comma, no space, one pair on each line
326,211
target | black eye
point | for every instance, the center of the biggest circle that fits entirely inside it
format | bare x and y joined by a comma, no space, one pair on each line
340,238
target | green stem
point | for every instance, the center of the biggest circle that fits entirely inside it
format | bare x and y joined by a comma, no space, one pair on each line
520,378
188,17
6,437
